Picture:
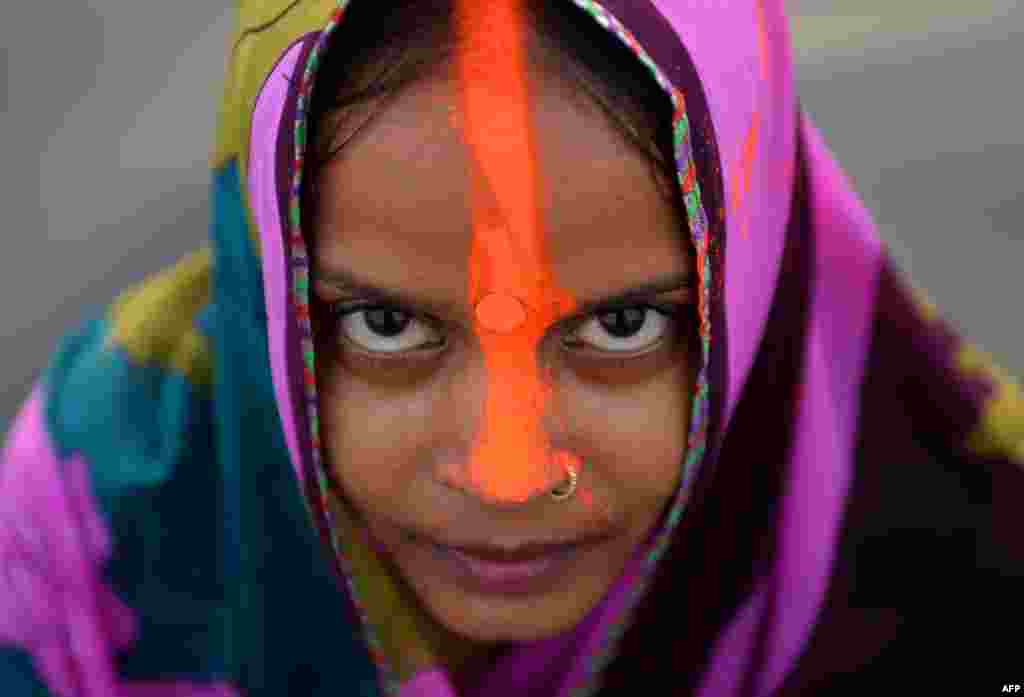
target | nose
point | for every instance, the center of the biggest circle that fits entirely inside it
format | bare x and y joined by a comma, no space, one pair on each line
489,485
503,409
511,281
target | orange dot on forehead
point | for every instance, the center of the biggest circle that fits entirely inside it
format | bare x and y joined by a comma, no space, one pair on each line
499,312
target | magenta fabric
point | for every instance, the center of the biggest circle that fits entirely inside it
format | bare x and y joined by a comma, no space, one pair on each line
264,202
53,600
847,261
749,81
429,683
741,51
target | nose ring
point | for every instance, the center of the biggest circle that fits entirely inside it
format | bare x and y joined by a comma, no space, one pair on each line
566,489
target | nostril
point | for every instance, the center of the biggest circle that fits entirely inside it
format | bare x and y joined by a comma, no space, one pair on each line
492,488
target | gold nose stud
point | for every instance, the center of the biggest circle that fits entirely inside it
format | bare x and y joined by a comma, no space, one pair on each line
566,489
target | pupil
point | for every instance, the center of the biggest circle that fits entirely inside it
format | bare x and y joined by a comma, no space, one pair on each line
623,323
385,322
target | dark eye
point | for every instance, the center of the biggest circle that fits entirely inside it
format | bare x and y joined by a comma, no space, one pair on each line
386,322
623,323
385,329
624,330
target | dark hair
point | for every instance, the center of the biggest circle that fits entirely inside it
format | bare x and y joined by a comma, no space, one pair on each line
382,46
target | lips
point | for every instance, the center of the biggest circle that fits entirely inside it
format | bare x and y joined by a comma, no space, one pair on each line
522,568
511,555
499,571
510,576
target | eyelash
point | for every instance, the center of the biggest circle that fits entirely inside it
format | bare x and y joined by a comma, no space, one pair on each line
673,311
380,360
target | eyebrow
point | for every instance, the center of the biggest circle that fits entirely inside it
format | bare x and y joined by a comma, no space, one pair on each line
350,282
645,290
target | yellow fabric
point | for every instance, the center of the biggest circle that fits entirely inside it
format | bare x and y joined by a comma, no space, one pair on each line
1000,432
155,321
264,29
926,307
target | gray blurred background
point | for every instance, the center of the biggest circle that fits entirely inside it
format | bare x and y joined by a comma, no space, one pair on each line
108,116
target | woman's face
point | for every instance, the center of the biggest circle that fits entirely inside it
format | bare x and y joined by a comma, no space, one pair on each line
404,380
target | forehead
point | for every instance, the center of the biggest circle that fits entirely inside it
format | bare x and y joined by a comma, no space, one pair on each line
395,203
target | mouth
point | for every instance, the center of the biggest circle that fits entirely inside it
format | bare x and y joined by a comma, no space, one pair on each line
521,568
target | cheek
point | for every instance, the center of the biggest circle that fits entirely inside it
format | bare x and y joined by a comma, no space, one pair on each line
378,438
637,434
372,441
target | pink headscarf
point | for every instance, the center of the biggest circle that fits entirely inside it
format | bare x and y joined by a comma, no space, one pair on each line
732,61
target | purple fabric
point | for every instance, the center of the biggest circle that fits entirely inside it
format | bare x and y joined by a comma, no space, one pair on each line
847,261
429,683
749,85
54,603
726,41
264,203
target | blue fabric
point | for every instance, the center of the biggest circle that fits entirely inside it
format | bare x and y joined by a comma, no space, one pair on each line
196,488
18,677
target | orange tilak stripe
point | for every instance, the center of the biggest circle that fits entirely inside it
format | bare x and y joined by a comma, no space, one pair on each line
744,171
511,282
762,39
501,313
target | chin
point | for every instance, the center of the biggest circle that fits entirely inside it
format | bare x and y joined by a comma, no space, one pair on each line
485,603
489,605
502,619
498,630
